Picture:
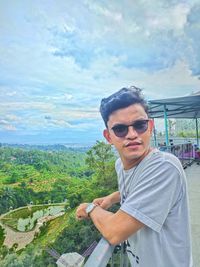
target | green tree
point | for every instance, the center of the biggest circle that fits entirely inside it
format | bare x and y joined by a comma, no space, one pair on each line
99,156
2,236
76,237
101,159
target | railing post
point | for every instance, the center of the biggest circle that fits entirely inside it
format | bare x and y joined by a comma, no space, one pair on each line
123,256
197,132
154,134
112,260
166,126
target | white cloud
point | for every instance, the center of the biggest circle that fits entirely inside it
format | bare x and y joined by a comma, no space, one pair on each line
100,10
10,127
5,125
3,122
58,65
13,93
168,18
59,123
62,97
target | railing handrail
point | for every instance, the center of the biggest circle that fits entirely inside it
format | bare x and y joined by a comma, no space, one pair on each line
101,254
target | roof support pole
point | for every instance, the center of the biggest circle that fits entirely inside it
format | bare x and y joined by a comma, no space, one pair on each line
166,126
154,134
197,132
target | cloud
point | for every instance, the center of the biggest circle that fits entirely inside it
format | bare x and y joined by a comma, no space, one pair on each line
144,42
11,93
10,127
5,125
193,34
47,117
57,65
63,97
3,122
59,123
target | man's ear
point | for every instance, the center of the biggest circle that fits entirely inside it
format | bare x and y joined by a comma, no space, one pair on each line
106,134
151,122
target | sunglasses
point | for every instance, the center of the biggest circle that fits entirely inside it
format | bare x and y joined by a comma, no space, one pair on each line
121,130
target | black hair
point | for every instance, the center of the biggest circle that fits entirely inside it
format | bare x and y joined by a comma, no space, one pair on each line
122,99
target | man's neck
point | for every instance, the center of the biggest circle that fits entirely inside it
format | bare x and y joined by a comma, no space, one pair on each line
128,164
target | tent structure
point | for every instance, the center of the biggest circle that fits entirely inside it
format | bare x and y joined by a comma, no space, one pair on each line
178,107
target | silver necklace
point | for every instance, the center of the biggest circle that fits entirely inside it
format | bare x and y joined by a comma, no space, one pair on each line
125,190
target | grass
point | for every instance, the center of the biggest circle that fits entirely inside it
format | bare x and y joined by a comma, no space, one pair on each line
45,182
40,181
3,178
52,230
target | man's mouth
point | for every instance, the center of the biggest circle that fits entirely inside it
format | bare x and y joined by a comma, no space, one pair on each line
132,144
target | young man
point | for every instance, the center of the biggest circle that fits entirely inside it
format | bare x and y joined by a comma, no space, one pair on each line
153,216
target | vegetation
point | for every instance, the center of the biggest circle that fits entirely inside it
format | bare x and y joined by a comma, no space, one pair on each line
2,236
61,176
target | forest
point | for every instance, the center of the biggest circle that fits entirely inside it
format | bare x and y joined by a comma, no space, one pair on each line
33,176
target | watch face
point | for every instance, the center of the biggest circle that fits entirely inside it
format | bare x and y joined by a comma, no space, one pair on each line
90,207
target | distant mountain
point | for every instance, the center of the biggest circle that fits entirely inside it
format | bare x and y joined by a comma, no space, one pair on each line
54,147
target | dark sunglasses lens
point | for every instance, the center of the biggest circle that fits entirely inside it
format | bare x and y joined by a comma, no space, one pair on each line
120,130
141,126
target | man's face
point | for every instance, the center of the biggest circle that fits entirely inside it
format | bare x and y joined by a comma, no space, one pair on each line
133,146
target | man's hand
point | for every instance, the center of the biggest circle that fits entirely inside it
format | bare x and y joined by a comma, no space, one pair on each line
103,202
107,201
81,213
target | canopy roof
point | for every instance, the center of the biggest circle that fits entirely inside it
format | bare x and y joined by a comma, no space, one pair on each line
179,107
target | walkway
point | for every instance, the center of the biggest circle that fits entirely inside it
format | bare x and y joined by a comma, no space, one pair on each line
193,178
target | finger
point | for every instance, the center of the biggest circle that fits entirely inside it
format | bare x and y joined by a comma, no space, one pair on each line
79,218
98,201
95,200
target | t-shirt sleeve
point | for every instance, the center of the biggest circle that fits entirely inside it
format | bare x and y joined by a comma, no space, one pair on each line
158,189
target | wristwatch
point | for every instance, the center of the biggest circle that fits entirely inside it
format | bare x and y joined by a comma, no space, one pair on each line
90,208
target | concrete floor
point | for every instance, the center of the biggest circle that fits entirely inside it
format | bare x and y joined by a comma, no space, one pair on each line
193,178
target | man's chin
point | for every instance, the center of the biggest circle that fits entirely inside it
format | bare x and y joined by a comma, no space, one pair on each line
135,156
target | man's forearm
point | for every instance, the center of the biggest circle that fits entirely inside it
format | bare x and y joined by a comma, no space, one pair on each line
101,219
115,227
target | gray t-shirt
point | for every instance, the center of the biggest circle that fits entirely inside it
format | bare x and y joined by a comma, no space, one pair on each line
155,193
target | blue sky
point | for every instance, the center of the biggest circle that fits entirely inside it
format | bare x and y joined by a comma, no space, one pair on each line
59,58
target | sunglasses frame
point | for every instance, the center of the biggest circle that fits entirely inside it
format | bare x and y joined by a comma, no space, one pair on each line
126,127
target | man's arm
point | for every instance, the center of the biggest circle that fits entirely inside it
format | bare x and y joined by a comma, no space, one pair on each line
115,227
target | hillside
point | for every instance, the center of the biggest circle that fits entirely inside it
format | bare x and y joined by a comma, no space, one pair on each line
39,179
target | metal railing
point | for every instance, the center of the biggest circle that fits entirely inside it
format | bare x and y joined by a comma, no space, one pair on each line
104,255
185,152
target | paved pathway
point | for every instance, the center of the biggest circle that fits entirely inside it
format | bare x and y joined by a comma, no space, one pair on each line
193,178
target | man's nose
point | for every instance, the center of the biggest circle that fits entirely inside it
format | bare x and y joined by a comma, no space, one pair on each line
131,132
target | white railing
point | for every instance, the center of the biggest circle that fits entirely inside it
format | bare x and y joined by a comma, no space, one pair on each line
185,152
104,254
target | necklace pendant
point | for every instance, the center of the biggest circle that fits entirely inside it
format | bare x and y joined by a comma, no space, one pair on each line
123,198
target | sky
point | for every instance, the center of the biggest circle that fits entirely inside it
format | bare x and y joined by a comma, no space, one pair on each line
58,59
